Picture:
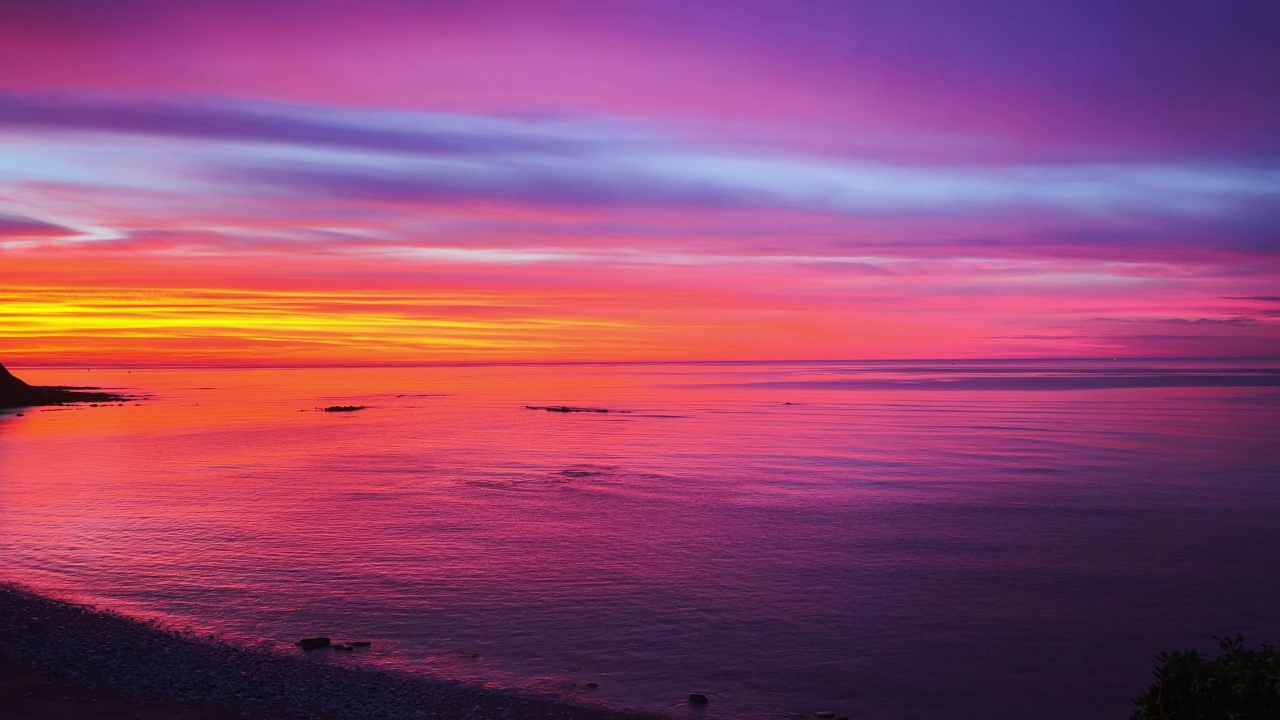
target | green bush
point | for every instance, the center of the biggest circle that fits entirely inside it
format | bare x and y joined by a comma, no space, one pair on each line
1240,685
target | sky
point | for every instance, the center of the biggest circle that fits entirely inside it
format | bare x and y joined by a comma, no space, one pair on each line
312,182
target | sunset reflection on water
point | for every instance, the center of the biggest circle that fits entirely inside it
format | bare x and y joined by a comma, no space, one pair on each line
783,537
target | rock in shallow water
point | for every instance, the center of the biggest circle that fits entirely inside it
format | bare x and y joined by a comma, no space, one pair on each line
566,409
314,643
698,698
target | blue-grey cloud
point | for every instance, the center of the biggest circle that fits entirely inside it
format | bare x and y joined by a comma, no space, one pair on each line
684,177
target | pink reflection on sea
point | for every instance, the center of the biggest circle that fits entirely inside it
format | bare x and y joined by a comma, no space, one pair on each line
881,539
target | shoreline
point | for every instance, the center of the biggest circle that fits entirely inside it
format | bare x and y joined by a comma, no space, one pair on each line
59,658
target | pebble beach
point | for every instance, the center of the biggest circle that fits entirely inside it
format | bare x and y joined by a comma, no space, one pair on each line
60,658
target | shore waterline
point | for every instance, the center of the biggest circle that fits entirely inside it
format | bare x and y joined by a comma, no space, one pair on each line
767,534
142,663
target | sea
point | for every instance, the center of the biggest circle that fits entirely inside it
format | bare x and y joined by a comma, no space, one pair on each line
878,540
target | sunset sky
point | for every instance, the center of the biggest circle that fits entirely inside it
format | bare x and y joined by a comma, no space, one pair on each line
290,181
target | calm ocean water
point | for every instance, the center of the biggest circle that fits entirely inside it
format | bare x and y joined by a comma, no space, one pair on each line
882,540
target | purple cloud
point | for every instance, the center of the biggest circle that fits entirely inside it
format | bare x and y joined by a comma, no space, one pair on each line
1232,321
16,226
281,123
1050,380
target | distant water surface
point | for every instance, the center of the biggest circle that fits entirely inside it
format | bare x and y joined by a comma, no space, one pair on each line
882,540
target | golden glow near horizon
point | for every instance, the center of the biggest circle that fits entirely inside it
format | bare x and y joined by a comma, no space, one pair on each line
238,325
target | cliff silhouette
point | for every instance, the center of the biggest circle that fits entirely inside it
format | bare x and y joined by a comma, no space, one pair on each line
16,393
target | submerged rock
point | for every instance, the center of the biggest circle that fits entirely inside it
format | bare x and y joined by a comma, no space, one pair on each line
361,643
698,699
342,408
565,409
314,643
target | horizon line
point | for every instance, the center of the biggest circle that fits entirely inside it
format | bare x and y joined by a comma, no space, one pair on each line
545,363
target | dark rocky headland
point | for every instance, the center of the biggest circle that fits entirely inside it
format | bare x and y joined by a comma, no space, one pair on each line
15,393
